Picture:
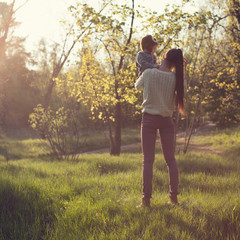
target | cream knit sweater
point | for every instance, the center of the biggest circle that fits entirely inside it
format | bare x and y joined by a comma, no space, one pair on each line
158,92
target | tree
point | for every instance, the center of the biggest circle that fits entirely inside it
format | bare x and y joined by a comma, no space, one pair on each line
107,83
45,57
225,79
106,90
7,23
84,28
15,78
212,71
7,13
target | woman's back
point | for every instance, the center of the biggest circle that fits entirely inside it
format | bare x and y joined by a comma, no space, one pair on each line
158,92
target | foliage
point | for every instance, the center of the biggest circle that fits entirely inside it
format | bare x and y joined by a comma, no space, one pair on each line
94,87
227,80
213,76
106,71
45,59
220,139
99,89
105,86
17,97
60,128
67,136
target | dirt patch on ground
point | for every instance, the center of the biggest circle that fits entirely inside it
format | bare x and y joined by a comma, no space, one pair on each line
208,126
193,147
106,150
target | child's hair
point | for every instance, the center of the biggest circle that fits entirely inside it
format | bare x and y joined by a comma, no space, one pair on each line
175,58
148,42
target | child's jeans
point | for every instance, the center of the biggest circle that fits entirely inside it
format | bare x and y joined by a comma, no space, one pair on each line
165,125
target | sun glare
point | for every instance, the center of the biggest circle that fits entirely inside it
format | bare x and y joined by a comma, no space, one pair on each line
41,18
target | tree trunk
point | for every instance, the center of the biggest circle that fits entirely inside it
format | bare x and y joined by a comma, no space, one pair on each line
63,58
47,96
116,146
110,134
189,131
188,134
235,9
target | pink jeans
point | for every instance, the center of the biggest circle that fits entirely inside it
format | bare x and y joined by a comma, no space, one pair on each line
150,125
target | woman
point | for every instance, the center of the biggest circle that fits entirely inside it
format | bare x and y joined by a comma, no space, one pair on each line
162,90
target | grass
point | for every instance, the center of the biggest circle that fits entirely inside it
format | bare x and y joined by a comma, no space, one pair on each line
94,141
227,139
17,147
95,197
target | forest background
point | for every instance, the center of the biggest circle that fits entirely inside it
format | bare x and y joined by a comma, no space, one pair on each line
66,97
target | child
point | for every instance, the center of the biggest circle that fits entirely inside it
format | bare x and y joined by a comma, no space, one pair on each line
146,58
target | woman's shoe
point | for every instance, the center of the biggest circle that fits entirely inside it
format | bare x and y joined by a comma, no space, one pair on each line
174,199
145,202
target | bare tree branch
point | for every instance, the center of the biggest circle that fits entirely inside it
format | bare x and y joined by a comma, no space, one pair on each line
62,61
129,38
21,5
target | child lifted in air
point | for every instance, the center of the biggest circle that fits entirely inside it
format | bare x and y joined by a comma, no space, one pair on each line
146,58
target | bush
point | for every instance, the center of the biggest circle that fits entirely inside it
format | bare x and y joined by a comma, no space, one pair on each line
60,128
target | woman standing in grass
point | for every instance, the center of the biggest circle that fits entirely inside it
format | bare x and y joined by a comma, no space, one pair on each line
162,90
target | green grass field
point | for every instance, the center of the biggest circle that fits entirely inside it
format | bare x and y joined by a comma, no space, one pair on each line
95,196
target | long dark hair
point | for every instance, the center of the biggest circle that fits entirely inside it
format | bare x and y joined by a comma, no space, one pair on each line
175,58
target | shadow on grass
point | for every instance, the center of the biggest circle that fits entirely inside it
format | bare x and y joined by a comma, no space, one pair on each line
217,226
25,213
170,218
214,227
15,171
